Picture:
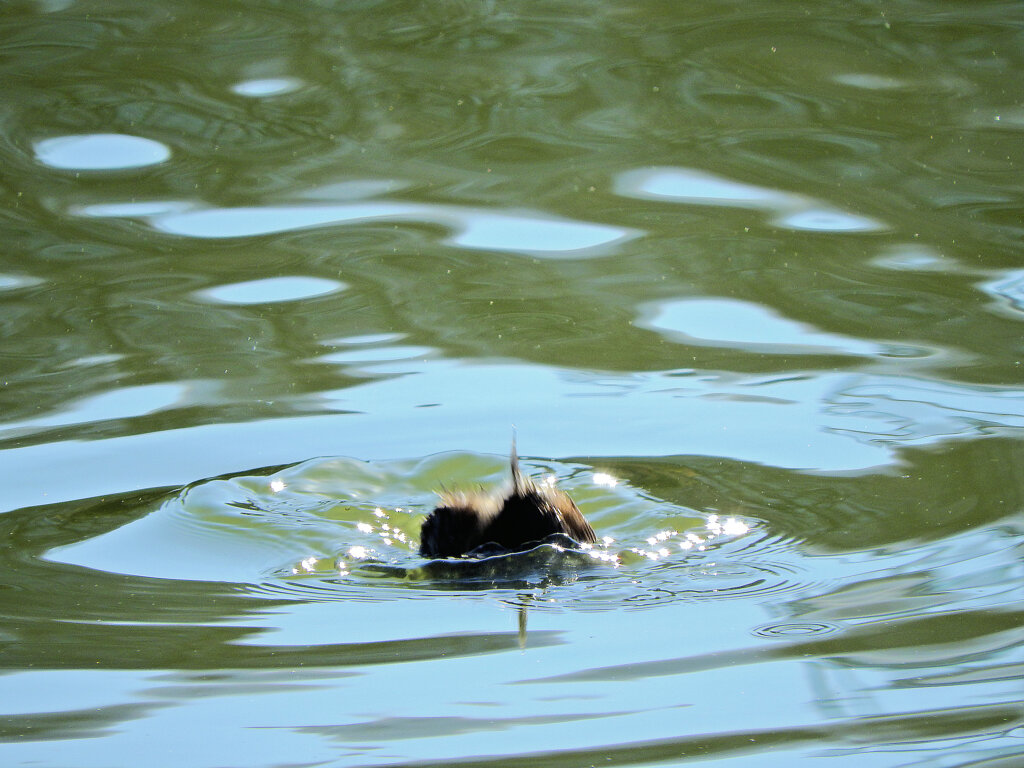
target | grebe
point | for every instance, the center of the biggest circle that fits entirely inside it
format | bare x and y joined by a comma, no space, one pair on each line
515,522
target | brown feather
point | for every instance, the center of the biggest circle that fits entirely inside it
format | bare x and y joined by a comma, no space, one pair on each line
515,521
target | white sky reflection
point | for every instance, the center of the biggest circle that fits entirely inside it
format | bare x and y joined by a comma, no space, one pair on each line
268,86
735,323
694,187
100,152
525,232
270,290
817,420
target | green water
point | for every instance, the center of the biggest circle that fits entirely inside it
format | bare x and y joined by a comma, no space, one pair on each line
746,278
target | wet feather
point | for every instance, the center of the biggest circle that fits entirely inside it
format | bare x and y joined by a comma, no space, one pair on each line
515,520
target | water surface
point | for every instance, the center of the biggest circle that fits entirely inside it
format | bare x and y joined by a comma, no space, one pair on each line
747,279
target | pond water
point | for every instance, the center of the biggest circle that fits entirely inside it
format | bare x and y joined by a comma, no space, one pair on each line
746,279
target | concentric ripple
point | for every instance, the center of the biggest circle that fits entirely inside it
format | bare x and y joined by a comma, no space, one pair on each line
331,528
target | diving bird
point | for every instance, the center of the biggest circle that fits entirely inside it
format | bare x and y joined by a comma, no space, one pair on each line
515,520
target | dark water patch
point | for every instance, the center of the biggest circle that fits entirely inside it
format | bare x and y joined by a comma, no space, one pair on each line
179,684
31,532
903,505
904,729
95,646
387,729
40,597
923,643
90,723
983,674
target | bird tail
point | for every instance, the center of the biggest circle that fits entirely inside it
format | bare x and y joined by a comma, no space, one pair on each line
517,478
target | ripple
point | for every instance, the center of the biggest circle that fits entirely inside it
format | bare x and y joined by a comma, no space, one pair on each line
343,523
366,338
826,421
366,358
925,412
757,568
120,403
100,152
1008,291
373,354
794,630
271,290
827,220
908,257
354,189
530,233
